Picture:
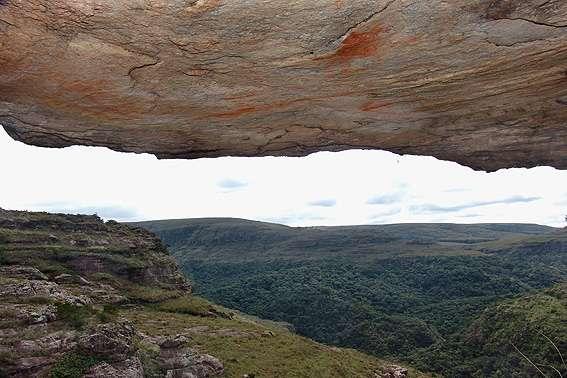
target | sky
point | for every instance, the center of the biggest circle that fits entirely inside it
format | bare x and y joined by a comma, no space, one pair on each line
341,188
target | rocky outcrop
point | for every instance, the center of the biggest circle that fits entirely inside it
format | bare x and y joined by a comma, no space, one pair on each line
481,82
181,362
114,341
130,368
60,312
394,371
85,246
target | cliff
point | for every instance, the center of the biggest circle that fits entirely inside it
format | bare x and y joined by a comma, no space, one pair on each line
479,82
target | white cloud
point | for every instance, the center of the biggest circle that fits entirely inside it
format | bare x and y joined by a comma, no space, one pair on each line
324,202
385,199
231,184
351,187
434,208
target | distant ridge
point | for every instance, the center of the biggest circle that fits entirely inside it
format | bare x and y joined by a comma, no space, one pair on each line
226,235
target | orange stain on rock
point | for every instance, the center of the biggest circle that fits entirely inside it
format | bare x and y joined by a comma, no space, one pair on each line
236,112
278,105
374,105
356,45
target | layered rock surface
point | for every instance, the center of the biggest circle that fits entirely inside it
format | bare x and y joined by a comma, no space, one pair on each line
480,82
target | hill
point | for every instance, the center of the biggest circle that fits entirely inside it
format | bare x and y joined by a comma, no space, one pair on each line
229,239
81,297
524,336
394,290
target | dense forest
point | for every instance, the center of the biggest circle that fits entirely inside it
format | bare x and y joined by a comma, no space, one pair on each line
453,299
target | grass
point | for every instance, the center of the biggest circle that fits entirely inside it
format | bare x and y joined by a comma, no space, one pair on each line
108,314
246,351
36,300
149,357
50,267
106,278
135,292
192,305
75,316
146,294
73,365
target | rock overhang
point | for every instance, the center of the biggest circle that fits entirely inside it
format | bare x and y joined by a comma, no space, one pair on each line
482,83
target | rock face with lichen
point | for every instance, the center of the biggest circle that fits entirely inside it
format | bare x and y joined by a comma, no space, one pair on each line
480,82
58,273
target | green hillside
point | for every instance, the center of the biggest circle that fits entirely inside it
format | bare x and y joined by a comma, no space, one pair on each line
230,239
393,290
525,336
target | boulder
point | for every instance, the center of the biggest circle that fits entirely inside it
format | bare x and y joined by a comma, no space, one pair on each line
31,366
394,371
181,362
44,289
112,341
130,368
205,366
42,314
173,342
21,272
57,342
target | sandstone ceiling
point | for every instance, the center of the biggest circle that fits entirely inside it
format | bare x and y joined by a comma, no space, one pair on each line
479,82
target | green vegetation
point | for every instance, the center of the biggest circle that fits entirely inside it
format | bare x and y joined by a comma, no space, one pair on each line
402,291
533,325
73,365
192,305
146,294
246,347
108,314
75,316
36,300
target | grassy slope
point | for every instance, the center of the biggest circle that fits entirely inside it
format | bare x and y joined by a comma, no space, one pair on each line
249,347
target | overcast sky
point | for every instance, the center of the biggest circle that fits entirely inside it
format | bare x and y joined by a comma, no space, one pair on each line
352,187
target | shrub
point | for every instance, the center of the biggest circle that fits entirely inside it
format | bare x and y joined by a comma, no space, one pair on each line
76,316
108,313
49,267
191,305
146,294
149,359
73,365
37,300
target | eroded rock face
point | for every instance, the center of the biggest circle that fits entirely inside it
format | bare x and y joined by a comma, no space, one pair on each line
114,341
480,82
394,371
130,368
181,362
